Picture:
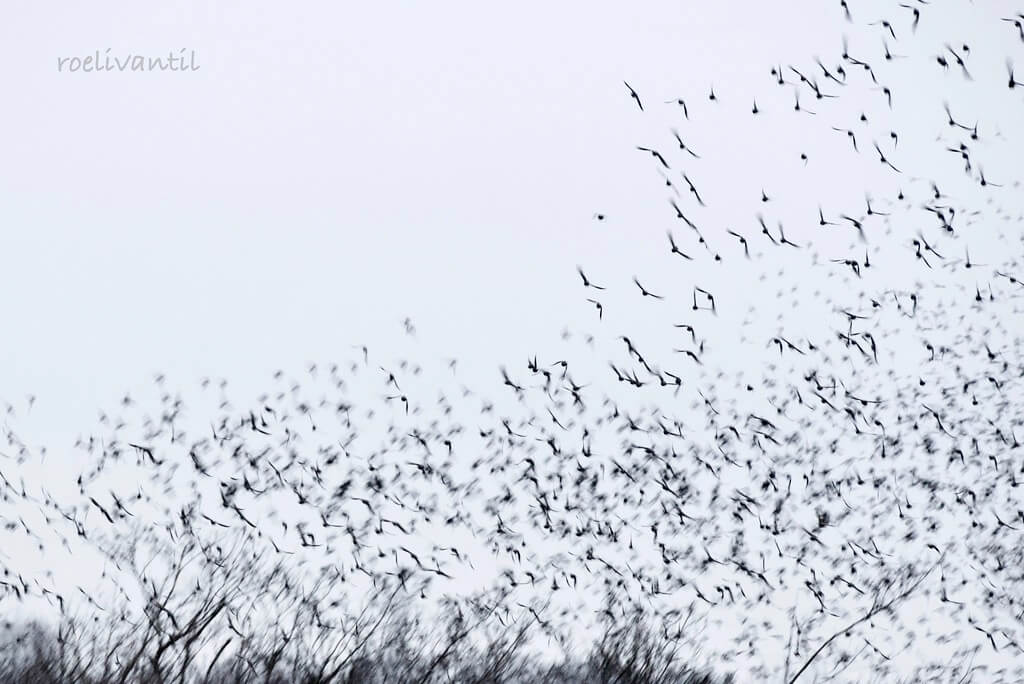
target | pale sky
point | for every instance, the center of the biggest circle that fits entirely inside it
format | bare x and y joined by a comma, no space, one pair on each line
327,172
333,168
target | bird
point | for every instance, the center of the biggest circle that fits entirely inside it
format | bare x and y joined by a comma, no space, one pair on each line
634,96
683,145
654,153
743,241
586,281
675,249
693,190
883,160
681,103
643,291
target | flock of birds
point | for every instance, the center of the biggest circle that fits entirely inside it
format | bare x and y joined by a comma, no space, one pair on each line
854,488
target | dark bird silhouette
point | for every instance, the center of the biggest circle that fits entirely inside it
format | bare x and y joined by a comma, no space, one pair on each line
643,291
654,153
632,94
675,249
586,281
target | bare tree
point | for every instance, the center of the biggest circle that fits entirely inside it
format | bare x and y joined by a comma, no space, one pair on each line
881,603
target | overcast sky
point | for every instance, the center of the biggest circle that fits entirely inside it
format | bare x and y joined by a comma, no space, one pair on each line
325,173
332,168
